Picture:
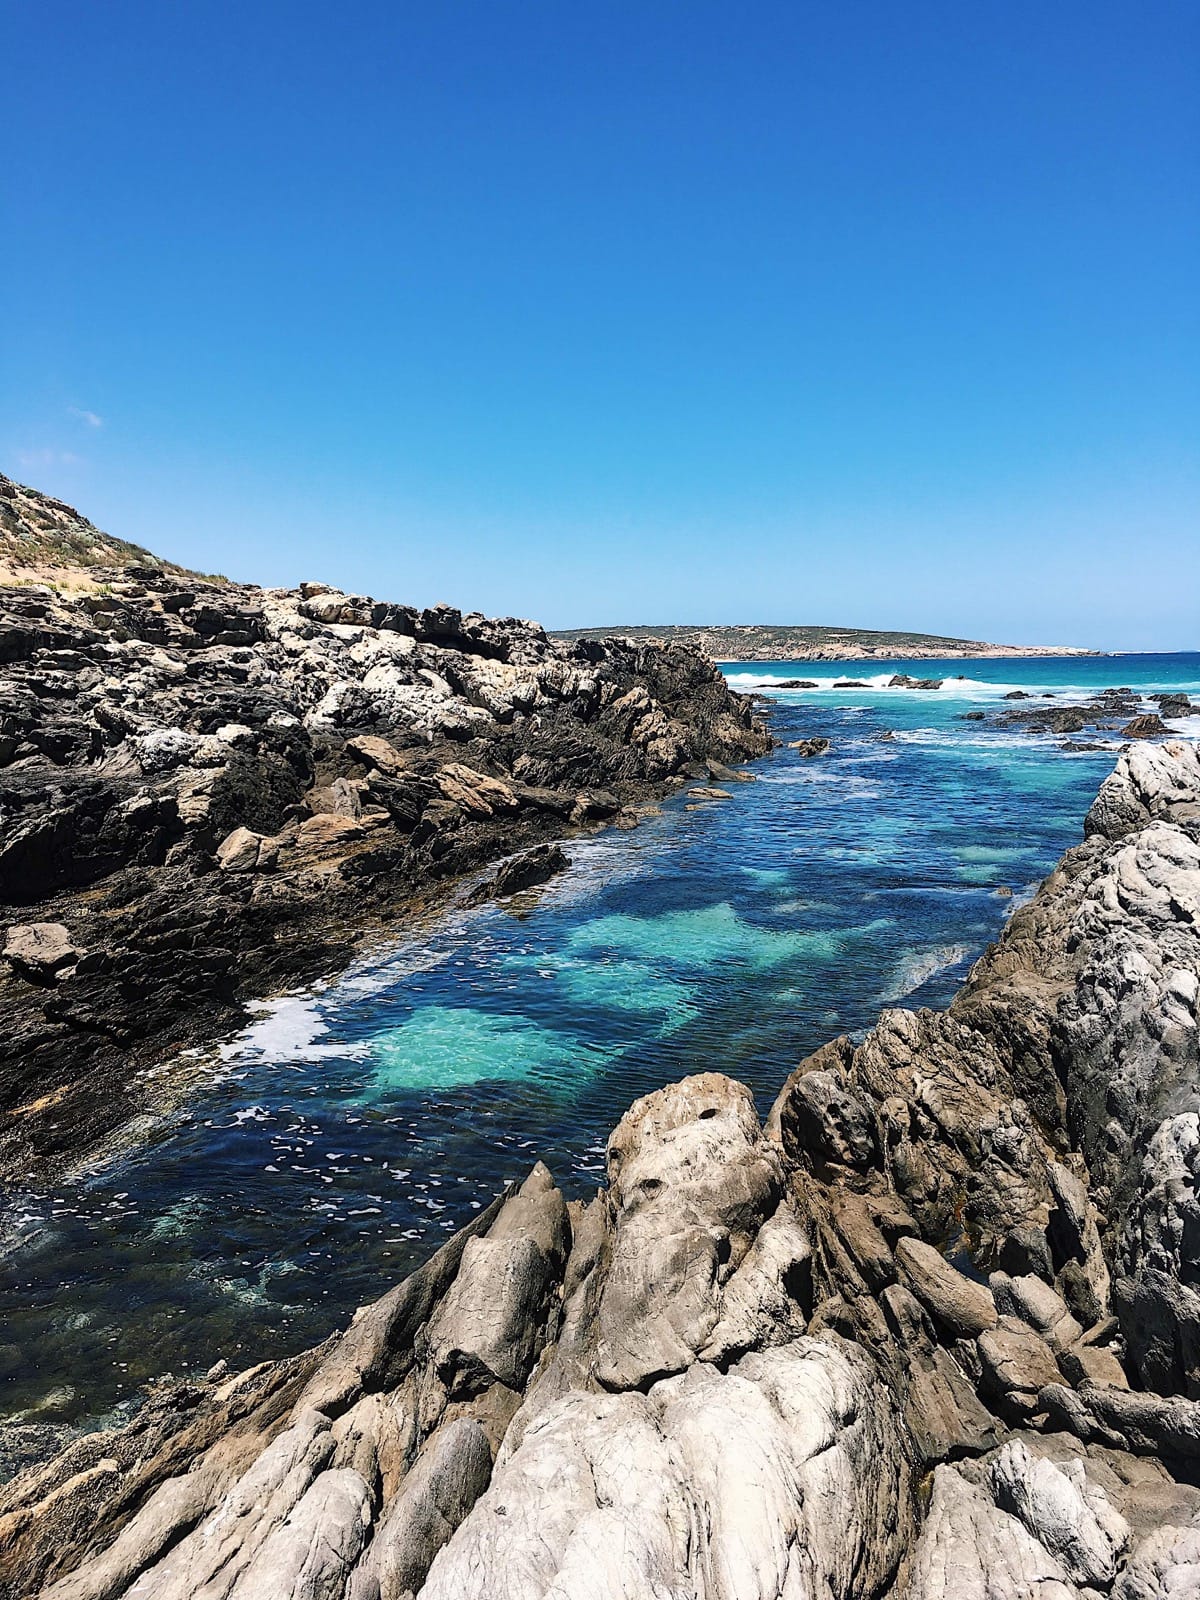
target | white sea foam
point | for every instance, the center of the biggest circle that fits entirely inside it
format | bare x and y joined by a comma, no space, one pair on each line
939,738
289,1029
954,688
756,675
845,785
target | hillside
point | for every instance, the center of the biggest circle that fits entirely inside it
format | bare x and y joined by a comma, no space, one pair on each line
43,540
763,642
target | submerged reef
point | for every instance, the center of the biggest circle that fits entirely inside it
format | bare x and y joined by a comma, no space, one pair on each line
931,1332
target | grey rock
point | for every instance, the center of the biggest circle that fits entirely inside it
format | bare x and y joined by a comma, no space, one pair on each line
969,1549
635,1494
1017,1363
1036,1303
210,1560
964,1308
1067,1515
491,1323
825,1120
242,851
310,1556
442,1487
1165,1566
691,1181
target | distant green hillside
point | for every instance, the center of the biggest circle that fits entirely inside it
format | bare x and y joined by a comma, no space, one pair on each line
762,642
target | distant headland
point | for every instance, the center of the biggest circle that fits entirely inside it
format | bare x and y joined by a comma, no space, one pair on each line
762,642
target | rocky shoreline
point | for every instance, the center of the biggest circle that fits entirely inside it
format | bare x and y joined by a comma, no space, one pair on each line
210,792
932,1332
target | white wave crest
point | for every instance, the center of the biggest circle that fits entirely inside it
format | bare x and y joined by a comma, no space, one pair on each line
880,683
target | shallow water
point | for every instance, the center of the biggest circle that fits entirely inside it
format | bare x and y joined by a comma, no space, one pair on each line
340,1139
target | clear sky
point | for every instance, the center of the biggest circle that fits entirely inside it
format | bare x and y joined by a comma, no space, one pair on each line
879,313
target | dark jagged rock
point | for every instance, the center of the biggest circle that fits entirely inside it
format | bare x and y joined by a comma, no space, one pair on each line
210,791
1150,726
1049,719
931,1333
526,871
901,680
807,748
1098,714
1174,705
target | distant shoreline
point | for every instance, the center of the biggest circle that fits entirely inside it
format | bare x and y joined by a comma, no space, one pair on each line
990,653
765,642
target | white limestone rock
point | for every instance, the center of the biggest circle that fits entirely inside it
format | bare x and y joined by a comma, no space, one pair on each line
785,1477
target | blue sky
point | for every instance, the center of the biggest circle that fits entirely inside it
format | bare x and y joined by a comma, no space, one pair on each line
869,313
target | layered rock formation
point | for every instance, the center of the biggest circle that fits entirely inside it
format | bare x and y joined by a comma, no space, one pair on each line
209,791
931,1332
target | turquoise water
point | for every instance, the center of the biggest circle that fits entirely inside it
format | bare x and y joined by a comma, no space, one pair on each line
340,1139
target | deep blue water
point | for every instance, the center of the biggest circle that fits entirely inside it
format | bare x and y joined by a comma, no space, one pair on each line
333,1146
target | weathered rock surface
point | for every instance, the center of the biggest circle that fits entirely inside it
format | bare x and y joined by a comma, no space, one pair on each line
929,1333
209,790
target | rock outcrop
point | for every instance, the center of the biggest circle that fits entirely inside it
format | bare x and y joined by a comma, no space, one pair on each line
931,1332
209,791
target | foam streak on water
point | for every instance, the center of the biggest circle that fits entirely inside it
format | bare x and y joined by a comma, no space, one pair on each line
339,1139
